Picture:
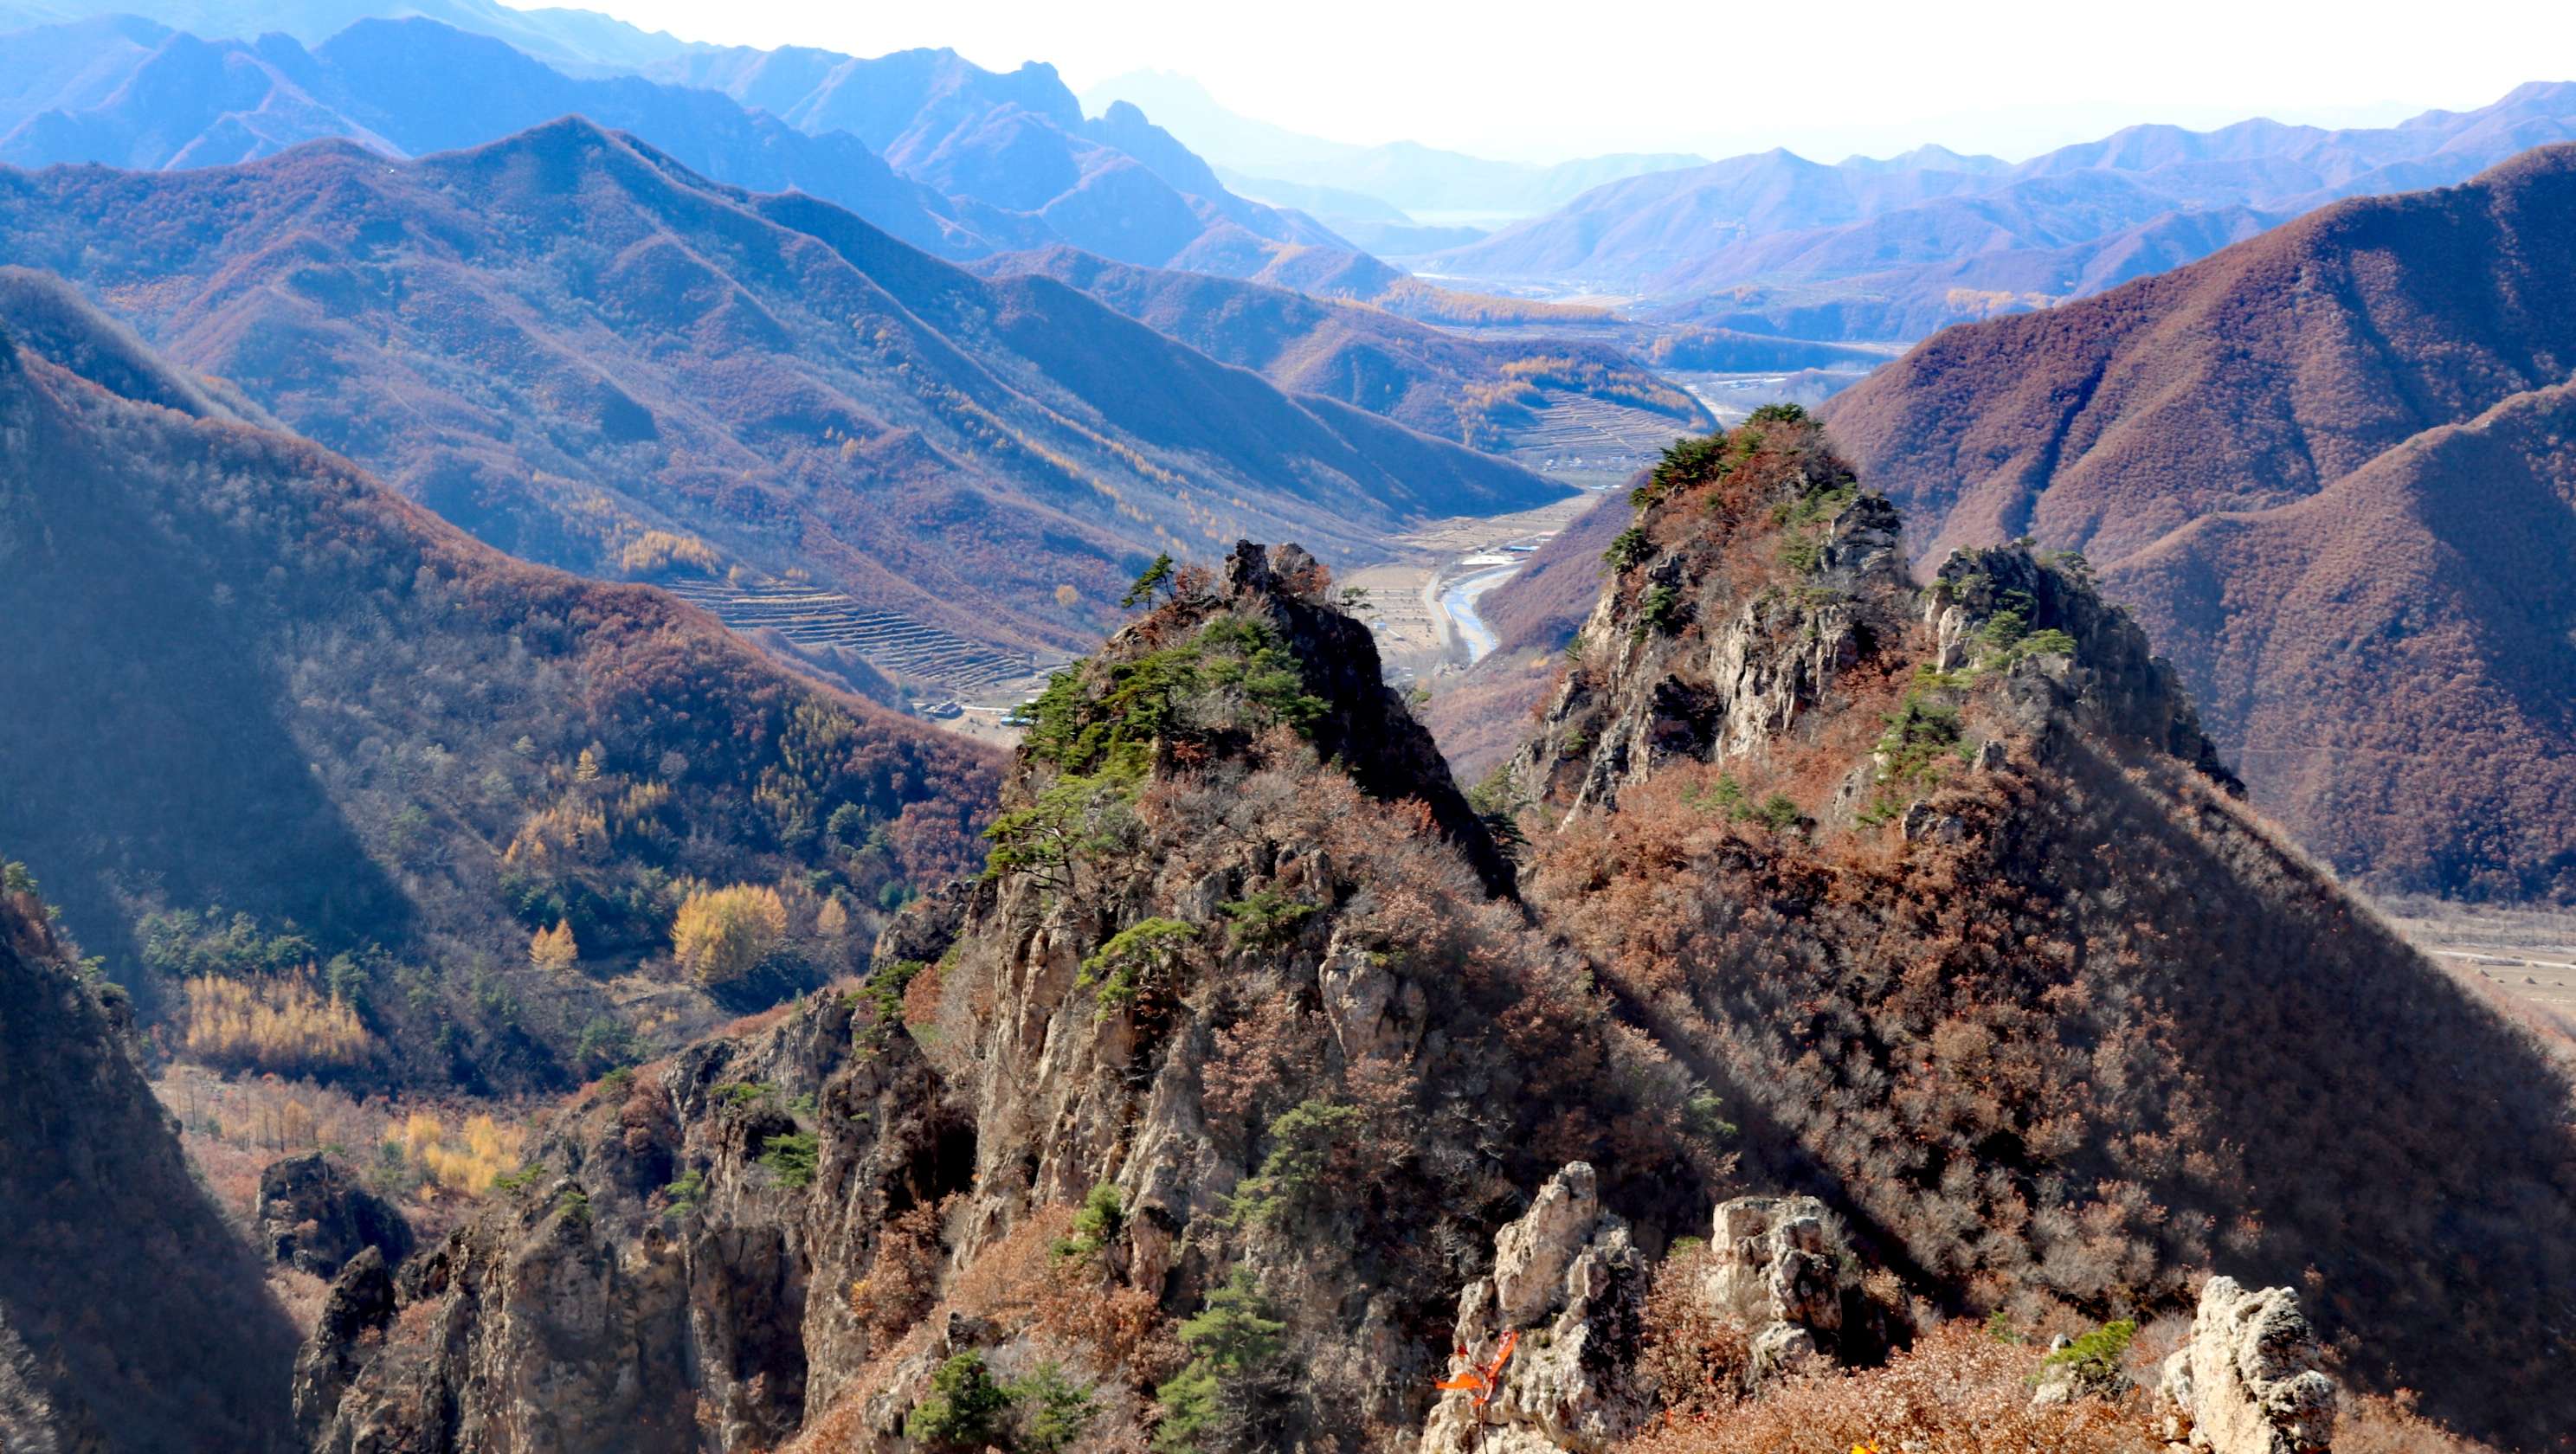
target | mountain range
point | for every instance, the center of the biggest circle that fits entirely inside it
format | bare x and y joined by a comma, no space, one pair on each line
1898,248
1446,383
273,725
566,342
2328,468
583,41
1340,181
954,159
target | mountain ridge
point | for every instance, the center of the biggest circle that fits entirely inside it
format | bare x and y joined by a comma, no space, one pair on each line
355,749
2337,358
975,447
1774,242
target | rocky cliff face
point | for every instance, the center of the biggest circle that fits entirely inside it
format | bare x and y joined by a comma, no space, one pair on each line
674,1270
131,1316
1252,1090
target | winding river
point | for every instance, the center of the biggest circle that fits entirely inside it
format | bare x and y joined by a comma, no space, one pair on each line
1458,603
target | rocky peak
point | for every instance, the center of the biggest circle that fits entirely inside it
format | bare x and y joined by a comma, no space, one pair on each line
2008,600
1760,619
1757,574
1224,658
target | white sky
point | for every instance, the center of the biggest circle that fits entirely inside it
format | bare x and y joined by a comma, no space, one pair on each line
1542,82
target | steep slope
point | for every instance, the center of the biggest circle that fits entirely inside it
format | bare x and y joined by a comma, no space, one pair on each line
282,738
1468,389
1895,249
132,1317
1947,895
2239,392
1243,1082
566,341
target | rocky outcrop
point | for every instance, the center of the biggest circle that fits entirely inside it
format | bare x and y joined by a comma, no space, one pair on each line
360,1304
1776,1274
1986,602
1678,662
314,1216
132,1313
1568,1278
678,1277
2248,1380
1364,725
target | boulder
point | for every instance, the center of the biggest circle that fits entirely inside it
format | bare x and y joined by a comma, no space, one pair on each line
314,1215
1776,1273
2247,1380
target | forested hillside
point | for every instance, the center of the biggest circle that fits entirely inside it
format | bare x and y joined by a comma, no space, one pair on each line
339,792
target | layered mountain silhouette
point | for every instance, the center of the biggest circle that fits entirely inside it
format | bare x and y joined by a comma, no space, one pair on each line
980,162
1441,382
272,723
2328,469
1406,177
1895,249
584,41
566,340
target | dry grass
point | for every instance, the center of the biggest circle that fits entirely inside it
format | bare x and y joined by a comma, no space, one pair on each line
1958,1391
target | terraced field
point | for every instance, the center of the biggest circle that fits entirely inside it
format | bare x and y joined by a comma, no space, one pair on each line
1590,442
909,651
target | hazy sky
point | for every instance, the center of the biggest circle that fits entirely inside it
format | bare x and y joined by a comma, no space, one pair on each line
1541,82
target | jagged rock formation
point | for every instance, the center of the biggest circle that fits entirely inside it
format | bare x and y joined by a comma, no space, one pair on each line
132,1317
1570,1274
1775,1274
2247,1382
678,1276
314,1215
360,1304
1928,910
1244,980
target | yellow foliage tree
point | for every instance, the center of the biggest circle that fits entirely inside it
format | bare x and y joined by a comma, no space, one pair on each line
722,934
468,1161
832,921
281,1024
555,948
